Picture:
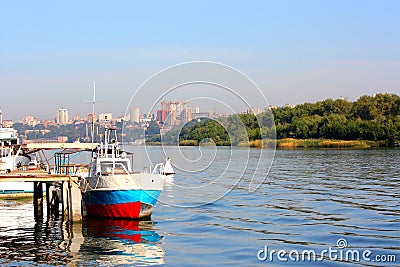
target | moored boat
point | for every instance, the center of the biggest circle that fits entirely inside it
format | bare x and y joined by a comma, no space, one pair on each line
112,190
11,155
12,158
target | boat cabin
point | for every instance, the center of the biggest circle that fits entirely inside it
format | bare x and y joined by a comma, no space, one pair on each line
108,159
112,166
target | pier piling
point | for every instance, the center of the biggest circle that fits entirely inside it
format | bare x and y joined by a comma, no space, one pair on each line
38,200
75,206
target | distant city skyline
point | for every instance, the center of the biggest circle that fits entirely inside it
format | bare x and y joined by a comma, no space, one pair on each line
306,51
64,115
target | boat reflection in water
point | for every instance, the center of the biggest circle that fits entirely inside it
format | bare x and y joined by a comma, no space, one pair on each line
114,242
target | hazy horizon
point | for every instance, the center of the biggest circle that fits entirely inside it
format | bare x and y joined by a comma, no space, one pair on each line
295,52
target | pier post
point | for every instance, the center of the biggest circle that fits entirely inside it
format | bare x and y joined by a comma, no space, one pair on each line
65,195
51,195
38,200
56,199
75,202
48,200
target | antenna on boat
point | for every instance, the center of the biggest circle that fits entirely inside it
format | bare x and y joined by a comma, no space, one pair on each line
93,102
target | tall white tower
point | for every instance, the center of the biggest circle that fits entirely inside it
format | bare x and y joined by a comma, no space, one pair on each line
135,114
62,117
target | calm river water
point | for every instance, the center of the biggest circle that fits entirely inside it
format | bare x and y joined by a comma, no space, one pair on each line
336,204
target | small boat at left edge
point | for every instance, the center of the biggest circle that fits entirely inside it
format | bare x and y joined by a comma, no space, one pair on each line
11,158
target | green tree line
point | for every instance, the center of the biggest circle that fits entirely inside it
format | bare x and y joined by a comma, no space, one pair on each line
375,118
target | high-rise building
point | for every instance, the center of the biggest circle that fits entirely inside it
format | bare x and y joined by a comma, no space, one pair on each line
186,115
135,115
178,111
171,118
162,115
62,116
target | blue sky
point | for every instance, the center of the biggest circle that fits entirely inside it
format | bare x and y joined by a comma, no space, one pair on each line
296,51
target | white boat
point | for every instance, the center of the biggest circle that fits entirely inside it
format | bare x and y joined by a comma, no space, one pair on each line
112,190
11,155
11,158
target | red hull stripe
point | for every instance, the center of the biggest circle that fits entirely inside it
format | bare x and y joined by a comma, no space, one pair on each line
124,210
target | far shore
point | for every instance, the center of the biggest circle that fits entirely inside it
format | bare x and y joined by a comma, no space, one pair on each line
292,143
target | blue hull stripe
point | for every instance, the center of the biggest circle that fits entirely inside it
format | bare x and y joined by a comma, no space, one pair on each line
110,197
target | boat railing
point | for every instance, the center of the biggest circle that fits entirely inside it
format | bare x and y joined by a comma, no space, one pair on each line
121,169
157,169
68,169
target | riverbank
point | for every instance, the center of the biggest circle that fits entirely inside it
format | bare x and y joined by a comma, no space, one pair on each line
292,143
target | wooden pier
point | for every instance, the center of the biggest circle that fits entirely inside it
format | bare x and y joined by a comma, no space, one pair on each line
61,193
59,182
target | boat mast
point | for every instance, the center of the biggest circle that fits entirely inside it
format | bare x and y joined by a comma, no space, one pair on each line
1,119
93,103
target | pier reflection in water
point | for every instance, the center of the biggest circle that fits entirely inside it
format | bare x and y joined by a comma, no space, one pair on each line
94,242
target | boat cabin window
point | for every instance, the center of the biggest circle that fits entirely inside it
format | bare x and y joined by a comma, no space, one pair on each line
106,167
4,151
